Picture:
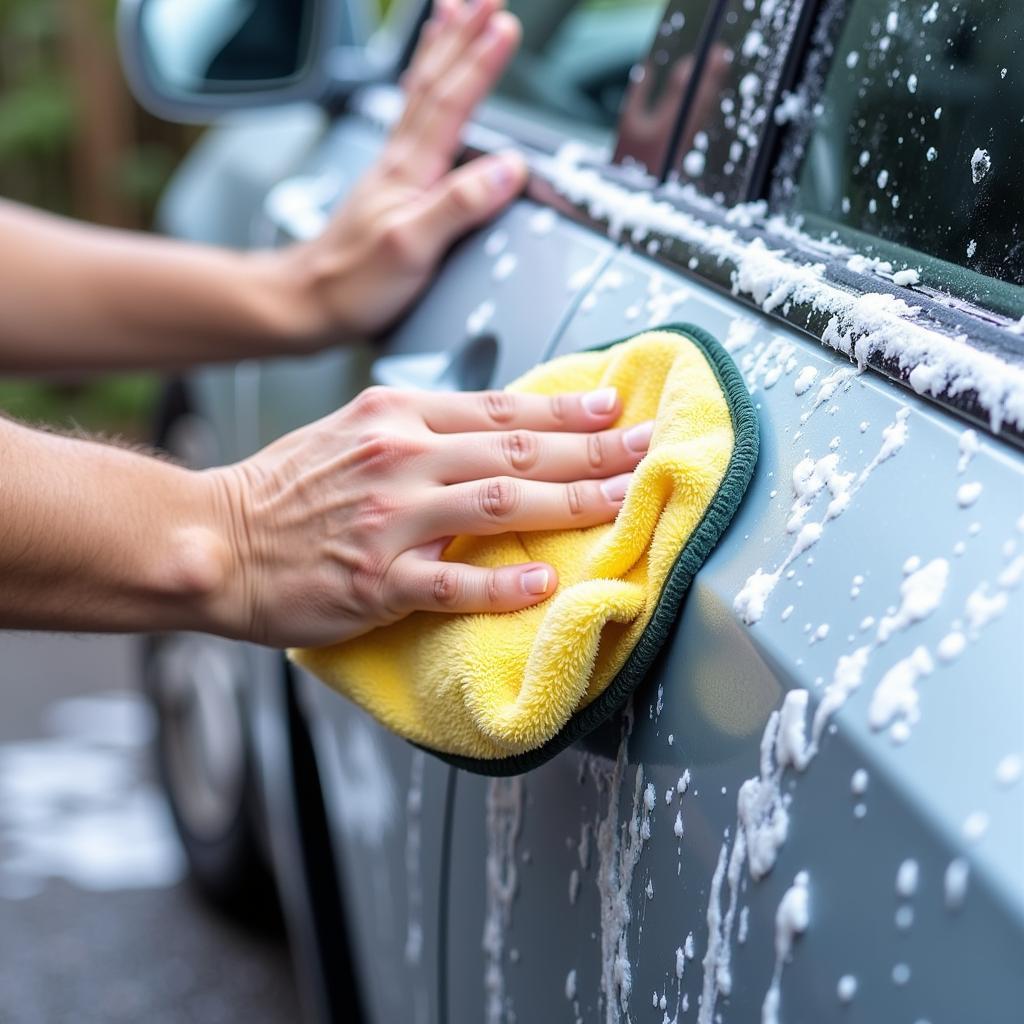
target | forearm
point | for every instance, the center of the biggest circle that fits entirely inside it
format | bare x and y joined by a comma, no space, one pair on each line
98,538
81,297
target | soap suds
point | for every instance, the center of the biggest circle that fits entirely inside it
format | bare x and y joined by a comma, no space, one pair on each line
920,594
504,266
969,446
791,920
955,882
619,847
1009,769
481,316
906,878
967,494
413,866
810,479
804,379
762,823
895,699
863,326
504,821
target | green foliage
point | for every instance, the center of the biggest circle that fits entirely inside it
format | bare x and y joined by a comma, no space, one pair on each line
115,406
39,120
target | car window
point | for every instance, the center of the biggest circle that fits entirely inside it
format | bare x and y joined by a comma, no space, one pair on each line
916,135
662,85
574,62
732,109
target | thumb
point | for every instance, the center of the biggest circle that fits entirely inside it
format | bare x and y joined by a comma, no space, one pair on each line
466,198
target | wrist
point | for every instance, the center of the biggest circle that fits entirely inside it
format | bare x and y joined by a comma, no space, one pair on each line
297,285
209,558
193,575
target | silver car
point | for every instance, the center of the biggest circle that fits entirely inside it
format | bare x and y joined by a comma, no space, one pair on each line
813,808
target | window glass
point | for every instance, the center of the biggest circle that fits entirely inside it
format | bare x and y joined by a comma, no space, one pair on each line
660,87
733,105
917,138
574,62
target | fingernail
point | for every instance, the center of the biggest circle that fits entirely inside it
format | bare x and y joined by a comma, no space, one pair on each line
638,439
600,402
503,172
614,488
535,581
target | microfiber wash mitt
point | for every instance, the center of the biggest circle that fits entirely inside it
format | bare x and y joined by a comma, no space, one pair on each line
501,693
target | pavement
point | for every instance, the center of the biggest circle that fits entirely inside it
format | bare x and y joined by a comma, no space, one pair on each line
98,922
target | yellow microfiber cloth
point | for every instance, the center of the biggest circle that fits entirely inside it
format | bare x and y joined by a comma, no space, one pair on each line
500,693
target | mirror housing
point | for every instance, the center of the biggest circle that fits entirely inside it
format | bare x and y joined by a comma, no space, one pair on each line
194,60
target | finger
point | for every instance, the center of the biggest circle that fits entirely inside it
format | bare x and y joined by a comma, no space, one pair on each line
448,103
460,412
443,47
462,200
431,38
503,504
420,585
539,455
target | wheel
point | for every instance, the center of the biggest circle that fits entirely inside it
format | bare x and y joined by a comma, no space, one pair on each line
196,684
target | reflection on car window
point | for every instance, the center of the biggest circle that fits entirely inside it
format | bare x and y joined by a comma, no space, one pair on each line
574,61
732,109
917,136
660,86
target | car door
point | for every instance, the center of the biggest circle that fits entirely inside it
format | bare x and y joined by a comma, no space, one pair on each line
812,808
493,311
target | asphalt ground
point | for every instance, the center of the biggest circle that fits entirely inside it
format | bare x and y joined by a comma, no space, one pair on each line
98,922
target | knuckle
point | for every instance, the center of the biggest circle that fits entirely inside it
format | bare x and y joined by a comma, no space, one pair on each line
558,409
446,588
449,102
499,406
367,578
376,515
576,498
521,449
464,197
374,401
595,450
385,450
400,240
492,588
500,497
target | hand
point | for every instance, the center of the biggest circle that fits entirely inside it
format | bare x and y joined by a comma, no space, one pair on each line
339,527
382,247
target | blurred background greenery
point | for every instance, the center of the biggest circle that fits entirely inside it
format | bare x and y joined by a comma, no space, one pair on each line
73,141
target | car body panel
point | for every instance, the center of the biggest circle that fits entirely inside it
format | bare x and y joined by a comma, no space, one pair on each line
704,708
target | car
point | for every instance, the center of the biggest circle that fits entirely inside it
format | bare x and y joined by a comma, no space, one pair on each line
812,809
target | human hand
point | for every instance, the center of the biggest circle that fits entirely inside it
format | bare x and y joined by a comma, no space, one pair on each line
383,245
339,527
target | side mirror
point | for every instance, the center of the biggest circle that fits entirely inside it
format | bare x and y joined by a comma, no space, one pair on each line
192,60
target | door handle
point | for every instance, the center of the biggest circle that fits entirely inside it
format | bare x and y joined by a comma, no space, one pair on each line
470,367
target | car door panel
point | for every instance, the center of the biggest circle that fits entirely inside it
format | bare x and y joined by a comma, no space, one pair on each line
527,272
583,906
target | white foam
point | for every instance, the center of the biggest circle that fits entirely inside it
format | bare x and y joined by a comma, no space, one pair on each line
791,920
967,494
504,821
906,878
955,882
1009,769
